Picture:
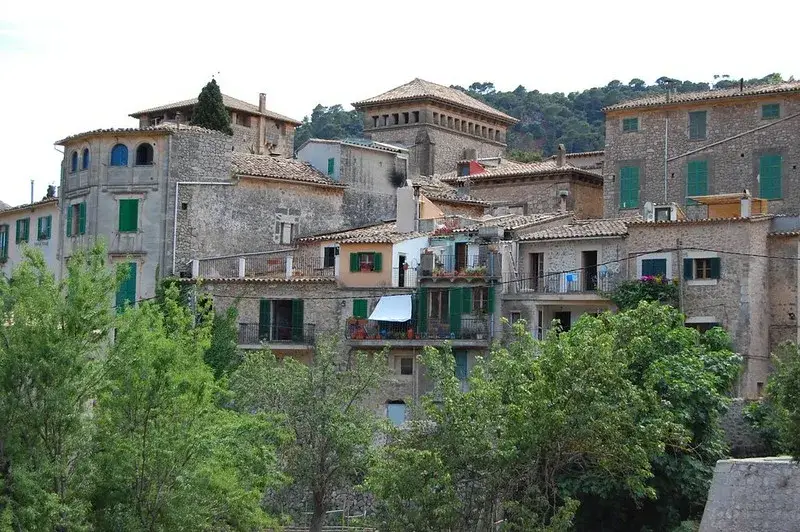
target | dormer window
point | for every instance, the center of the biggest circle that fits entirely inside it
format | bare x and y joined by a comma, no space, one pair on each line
119,155
73,166
85,159
144,155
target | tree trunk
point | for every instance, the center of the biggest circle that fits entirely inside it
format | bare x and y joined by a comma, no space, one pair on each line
318,518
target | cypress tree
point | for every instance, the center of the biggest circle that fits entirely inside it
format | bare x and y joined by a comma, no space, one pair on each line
209,111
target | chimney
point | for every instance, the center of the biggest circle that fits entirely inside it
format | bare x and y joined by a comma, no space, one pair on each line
746,204
406,220
561,155
262,102
741,84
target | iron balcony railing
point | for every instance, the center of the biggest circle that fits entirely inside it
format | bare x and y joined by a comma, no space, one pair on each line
568,282
467,328
404,277
256,333
267,265
482,265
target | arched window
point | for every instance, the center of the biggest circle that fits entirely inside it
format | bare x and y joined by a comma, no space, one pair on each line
144,155
85,159
119,155
73,167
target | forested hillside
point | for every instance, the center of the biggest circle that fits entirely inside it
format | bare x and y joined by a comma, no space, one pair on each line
574,119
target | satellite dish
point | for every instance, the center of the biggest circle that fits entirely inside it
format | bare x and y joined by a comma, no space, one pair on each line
649,211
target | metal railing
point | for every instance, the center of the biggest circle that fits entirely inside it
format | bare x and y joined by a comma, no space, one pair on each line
468,328
404,277
483,265
255,333
264,266
568,282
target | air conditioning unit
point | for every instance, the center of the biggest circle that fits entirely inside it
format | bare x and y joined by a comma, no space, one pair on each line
665,213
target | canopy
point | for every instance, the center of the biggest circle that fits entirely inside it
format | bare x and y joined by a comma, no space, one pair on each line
392,308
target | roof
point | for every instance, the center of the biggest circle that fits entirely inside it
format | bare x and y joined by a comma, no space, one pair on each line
583,229
508,168
358,143
165,128
250,164
721,199
419,89
4,206
263,280
27,206
383,233
228,101
719,94
579,154
435,189
512,222
755,218
784,233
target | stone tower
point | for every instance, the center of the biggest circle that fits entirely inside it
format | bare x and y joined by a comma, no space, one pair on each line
438,125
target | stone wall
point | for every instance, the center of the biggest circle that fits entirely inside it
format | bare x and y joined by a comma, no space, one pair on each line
744,440
540,195
783,293
732,165
753,494
278,137
371,196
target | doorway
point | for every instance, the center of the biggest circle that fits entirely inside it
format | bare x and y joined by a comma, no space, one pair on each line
401,271
564,318
589,265
536,280
461,256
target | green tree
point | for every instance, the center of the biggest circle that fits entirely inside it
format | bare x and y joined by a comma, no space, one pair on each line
628,294
324,406
223,354
209,111
523,156
51,365
329,123
166,456
780,412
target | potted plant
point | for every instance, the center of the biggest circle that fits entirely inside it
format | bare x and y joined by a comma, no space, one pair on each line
410,333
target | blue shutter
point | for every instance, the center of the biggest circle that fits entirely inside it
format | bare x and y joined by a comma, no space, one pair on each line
119,155
85,161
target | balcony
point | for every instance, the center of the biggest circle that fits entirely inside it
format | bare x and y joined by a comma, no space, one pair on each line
470,331
254,335
483,266
404,277
262,266
568,285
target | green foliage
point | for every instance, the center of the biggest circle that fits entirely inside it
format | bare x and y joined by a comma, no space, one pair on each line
628,294
779,415
223,355
523,156
323,404
329,123
209,111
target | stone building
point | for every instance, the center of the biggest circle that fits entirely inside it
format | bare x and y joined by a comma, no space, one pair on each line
438,125
665,148
256,129
29,225
528,188
591,161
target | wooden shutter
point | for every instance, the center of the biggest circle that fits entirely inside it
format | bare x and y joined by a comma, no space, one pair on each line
654,267
466,304
354,266
3,241
461,364
697,178
715,267
39,232
49,219
331,163
264,309
69,220
688,269
629,187
297,320
378,264
18,232
82,218
128,215
456,300
697,125
126,294
770,111
360,308
422,311
770,176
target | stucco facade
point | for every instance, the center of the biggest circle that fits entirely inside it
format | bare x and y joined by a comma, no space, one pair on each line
38,228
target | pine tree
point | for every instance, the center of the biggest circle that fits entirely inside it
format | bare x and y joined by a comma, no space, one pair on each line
210,112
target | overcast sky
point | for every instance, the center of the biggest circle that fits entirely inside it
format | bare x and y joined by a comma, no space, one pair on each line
76,66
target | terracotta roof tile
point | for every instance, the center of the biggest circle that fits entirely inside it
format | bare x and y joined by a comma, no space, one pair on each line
583,229
686,97
785,233
755,218
358,143
262,280
434,189
253,165
229,102
507,168
384,233
512,222
419,89
8,209
165,128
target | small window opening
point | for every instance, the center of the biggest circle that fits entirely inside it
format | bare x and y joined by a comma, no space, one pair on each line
184,206
144,155
406,366
415,116
405,118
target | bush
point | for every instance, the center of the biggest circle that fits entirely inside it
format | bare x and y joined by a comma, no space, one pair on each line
629,294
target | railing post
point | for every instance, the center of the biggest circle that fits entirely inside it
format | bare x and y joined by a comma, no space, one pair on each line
195,264
288,266
241,266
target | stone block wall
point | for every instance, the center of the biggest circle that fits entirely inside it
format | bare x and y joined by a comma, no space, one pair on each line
752,495
744,440
733,164
783,293
541,195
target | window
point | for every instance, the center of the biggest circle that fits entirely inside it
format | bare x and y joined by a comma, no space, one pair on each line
770,111
76,219
331,165
406,366
126,294
706,268
395,119
702,326
436,118
128,215
360,309
286,232
629,187
769,176
23,230
405,118
440,304
3,242
480,299
654,267
697,178
375,121
514,317
396,412
119,155
73,165
697,125
329,257
539,325
85,159
385,120
144,155
415,116
366,262
629,125
44,227
462,368
281,320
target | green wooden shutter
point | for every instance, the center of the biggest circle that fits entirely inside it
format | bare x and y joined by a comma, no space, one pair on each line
126,294
770,111
688,269
49,228
490,301
629,187
264,309
652,267
456,300
331,163
378,264
354,267
69,220
715,267
360,308
82,218
297,320
461,364
422,311
3,241
466,304
39,232
769,170
697,125
128,215
18,232
697,178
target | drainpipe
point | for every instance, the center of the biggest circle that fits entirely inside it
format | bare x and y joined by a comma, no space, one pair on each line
666,145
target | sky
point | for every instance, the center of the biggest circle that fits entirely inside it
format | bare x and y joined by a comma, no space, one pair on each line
82,65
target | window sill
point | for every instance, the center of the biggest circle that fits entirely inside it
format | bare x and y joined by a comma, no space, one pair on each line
702,282
700,139
143,165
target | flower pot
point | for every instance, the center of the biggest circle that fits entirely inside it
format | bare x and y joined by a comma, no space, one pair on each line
410,334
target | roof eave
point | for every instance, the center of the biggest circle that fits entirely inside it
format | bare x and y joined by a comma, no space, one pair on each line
246,175
510,120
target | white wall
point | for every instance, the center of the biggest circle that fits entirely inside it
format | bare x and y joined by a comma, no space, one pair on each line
411,249
317,155
48,247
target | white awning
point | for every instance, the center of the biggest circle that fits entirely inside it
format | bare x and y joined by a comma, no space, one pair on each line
392,308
